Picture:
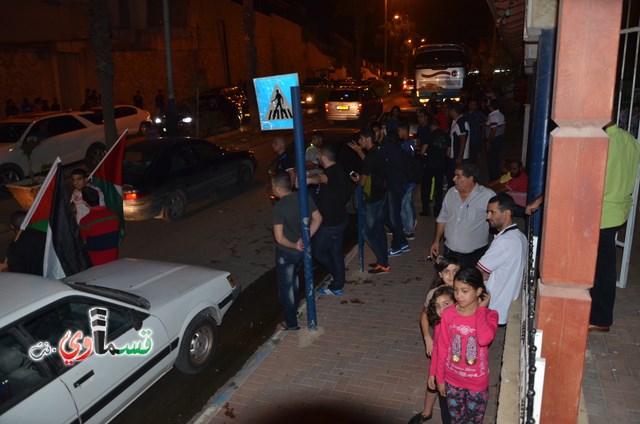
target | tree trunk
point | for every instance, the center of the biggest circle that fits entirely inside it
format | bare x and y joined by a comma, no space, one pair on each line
249,24
101,42
359,29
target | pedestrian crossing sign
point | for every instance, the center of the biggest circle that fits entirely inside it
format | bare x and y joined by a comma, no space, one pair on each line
274,101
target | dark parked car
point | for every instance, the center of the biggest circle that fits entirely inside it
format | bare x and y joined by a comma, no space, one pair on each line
218,111
161,177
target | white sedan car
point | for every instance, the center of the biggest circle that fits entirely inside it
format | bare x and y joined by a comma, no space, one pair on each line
82,349
73,136
126,116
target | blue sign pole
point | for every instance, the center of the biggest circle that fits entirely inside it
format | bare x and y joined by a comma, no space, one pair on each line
537,166
298,140
360,194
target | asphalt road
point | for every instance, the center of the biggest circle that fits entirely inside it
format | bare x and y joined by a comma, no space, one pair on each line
231,230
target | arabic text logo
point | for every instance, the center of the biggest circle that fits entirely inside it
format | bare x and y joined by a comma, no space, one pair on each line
75,347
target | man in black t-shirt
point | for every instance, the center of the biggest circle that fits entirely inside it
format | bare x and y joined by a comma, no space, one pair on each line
373,179
397,182
334,190
434,153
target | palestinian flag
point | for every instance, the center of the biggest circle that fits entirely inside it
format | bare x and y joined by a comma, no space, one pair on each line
108,177
65,253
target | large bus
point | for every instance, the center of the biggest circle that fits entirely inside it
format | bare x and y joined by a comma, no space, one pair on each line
440,68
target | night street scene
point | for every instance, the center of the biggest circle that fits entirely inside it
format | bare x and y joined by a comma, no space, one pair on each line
280,211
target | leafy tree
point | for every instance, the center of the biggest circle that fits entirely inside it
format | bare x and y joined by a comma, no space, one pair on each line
101,42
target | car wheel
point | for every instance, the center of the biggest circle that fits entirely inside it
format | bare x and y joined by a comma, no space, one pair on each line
245,175
174,206
94,155
9,174
198,345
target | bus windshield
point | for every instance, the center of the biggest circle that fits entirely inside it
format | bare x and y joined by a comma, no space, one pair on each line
441,59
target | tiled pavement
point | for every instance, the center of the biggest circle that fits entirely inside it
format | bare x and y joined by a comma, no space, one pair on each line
611,379
366,363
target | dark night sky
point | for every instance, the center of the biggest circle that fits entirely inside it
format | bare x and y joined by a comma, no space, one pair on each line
461,21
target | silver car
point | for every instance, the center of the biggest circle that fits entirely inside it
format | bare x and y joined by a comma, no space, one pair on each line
353,104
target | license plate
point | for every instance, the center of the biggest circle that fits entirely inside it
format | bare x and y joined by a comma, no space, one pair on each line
342,107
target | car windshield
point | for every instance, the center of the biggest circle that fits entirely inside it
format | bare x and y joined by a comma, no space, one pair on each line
344,96
137,162
95,117
10,132
441,59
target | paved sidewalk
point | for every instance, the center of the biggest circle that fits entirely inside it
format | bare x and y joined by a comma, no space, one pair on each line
365,364
611,378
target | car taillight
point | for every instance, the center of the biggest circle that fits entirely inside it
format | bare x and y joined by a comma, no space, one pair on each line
326,107
131,196
231,280
359,107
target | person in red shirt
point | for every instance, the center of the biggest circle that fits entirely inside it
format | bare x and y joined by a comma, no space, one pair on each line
516,187
99,229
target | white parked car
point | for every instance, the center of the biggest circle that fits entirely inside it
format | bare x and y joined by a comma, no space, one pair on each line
129,117
82,349
73,136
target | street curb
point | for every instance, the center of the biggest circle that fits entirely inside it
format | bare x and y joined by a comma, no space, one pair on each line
222,396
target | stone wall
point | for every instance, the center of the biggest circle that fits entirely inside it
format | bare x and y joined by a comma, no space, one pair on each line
198,58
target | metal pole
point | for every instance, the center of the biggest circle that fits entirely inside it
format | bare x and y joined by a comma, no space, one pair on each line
298,140
541,113
360,194
172,122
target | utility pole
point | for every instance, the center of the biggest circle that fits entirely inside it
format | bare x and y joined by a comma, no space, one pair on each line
172,120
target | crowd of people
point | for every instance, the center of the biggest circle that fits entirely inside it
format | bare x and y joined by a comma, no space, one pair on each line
476,279
479,278
92,98
38,105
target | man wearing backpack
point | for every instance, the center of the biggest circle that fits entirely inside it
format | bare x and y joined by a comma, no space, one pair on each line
413,169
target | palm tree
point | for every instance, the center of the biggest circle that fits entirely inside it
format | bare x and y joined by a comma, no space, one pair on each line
101,42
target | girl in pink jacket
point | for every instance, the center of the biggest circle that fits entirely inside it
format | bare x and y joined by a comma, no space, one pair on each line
461,362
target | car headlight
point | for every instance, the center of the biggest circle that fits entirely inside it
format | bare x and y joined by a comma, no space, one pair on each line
158,120
187,120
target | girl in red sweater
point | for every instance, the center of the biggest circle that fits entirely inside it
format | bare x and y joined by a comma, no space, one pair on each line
461,360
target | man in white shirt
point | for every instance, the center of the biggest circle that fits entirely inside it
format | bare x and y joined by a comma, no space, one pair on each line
494,131
502,266
462,220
